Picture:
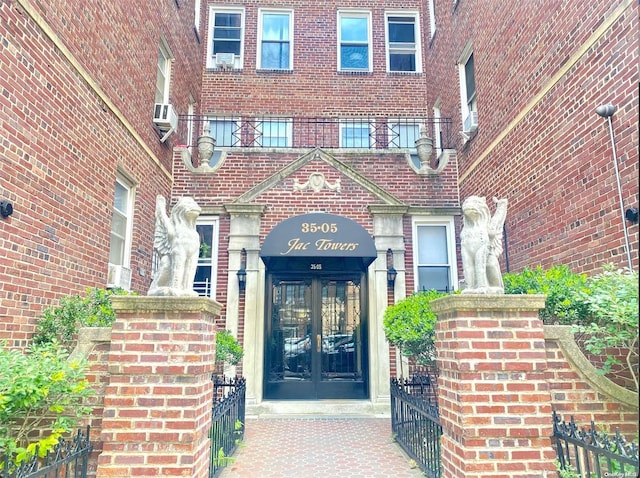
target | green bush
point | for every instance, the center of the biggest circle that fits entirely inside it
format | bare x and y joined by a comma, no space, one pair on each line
564,303
612,299
410,326
40,389
60,323
228,350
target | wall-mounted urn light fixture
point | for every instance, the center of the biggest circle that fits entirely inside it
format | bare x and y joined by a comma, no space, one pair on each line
6,208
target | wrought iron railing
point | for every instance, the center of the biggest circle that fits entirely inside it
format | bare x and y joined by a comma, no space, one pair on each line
227,423
69,458
415,421
590,453
323,132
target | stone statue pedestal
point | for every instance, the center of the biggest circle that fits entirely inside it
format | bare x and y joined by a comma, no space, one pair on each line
495,404
157,405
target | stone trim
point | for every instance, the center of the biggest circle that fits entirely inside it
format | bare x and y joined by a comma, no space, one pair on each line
576,358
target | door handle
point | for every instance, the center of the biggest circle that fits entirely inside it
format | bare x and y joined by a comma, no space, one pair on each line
318,343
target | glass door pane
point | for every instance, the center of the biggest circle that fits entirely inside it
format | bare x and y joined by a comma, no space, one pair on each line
291,339
341,331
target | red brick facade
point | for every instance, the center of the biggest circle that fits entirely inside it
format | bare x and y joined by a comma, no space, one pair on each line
540,73
76,106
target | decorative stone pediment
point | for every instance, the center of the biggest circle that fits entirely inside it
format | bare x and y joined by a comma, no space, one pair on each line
317,180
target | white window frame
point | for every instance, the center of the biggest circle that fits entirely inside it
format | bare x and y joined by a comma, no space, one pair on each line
355,14
432,19
190,124
211,261
467,105
239,59
416,49
393,123
437,128
220,152
449,225
347,123
127,215
163,72
196,15
288,131
273,11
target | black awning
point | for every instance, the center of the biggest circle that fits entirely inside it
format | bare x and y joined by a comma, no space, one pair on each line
316,239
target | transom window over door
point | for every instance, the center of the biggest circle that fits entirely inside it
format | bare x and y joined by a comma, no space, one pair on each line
275,40
403,42
354,38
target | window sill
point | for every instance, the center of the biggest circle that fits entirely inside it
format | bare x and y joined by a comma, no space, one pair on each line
277,71
354,73
404,73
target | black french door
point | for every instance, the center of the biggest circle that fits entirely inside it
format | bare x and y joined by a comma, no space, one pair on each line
315,338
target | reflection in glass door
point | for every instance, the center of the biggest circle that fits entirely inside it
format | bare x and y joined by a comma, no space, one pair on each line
315,340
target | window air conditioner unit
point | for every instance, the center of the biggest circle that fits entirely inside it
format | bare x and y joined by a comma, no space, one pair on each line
119,276
165,118
225,60
471,122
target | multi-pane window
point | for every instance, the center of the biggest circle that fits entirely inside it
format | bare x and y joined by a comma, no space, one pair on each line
356,134
274,133
227,34
163,72
205,280
225,131
434,255
121,224
403,48
274,43
354,41
437,118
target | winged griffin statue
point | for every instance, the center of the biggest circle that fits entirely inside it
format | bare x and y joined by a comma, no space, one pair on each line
177,245
481,245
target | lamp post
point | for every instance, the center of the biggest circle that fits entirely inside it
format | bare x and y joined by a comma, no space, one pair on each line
606,111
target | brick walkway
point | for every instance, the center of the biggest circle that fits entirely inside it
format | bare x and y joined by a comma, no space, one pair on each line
319,448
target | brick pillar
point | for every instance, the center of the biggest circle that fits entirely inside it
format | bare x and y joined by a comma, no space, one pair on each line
157,406
495,405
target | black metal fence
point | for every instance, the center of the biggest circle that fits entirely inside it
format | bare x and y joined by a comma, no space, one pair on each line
415,421
227,423
68,458
590,453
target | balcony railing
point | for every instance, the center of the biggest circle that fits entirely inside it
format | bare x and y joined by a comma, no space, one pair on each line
376,133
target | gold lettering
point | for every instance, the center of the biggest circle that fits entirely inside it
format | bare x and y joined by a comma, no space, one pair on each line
295,244
329,245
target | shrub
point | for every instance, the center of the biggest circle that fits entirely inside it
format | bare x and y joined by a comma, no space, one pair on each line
40,389
410,326
564,304
60,323
228,350
612,299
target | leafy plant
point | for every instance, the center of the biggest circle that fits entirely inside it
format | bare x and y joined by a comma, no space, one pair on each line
228,350
612,300
410,326
60,323
564,304
40,389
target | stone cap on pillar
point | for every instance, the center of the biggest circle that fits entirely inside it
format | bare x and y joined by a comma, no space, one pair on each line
137,303
484,302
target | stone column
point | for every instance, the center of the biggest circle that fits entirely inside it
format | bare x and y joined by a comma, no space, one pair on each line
157,406
495,404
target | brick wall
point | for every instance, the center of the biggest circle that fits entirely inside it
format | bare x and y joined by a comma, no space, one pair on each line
62,141
548,69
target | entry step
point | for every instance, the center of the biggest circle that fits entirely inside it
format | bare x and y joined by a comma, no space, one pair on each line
318,409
